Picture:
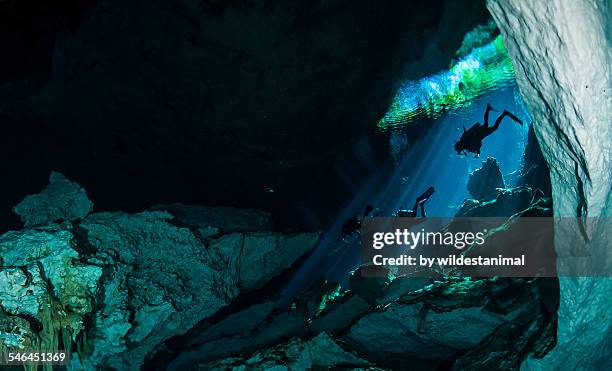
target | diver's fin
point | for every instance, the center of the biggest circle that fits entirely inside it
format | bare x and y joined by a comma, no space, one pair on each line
425,196
512,116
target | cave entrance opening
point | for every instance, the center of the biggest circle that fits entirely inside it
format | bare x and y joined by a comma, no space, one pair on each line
445,104
425,119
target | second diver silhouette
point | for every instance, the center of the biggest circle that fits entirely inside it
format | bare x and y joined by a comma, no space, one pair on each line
355,223
471,139
419,202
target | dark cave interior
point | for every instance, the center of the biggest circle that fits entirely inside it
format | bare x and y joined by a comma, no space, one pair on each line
271,115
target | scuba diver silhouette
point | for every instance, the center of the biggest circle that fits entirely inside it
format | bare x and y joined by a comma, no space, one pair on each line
471,139
420,201
354,223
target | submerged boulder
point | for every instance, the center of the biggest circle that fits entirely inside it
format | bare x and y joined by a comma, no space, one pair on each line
61,200
251,258
340,314
321,352
158,283
264,329
419,323
163,279
368,281
443,321
484,182
453,321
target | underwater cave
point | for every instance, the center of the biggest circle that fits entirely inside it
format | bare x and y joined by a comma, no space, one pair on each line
196,184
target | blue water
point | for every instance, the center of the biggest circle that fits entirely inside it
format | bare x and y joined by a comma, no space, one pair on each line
432,161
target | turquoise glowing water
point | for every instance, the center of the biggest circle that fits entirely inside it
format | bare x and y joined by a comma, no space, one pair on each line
485,69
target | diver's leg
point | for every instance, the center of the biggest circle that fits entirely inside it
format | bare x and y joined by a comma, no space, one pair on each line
415,208
486,115
513,117
420,201
490,130
495,126
498,121
501,117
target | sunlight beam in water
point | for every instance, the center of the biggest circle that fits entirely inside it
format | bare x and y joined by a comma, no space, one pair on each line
486,68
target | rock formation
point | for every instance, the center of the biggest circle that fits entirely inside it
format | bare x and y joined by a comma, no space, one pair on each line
114,286
424,326
534,170
403,322
46,290
181,285
321,352
483,182
506,202
561,55
61,200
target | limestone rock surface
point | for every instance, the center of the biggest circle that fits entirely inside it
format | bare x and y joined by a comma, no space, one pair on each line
46,290
451,321
420,323
507,202
562,53
168,280
483,182
113,286
321,352
61,200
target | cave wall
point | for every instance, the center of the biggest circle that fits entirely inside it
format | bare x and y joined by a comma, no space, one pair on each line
561,52
249,103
